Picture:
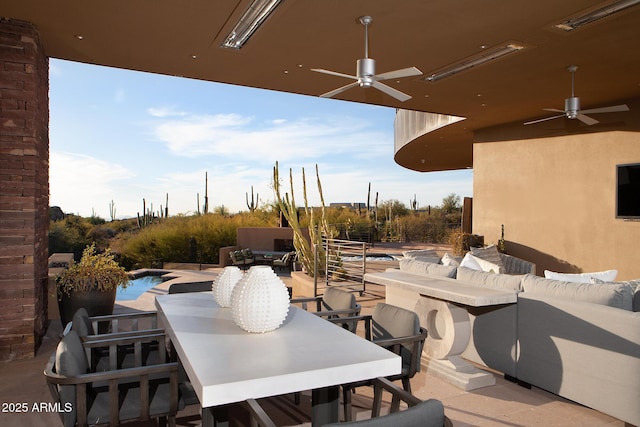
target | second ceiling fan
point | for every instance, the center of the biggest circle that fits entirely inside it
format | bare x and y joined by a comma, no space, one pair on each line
366,72
572,107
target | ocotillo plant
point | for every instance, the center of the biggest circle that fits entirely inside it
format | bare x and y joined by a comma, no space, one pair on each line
253,206
289,209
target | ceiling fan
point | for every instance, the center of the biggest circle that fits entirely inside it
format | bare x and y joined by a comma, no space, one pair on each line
572,107
366,72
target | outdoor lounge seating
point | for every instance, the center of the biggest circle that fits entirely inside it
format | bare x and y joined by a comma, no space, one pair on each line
242,258
399,331
114,396
428,413
580,341
285,262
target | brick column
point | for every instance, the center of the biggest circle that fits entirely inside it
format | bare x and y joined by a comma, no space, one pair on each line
24,189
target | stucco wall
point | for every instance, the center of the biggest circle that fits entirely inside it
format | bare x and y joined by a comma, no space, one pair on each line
556,199
263,238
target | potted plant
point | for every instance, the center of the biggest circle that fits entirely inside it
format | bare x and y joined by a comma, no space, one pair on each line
91,283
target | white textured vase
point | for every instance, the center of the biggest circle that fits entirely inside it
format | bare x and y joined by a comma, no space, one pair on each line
260,300
223,285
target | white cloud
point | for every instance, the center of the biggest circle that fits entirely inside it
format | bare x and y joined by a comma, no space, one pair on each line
235,136
162,112
75,177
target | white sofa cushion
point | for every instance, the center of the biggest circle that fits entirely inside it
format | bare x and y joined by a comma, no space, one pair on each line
420,252
606,276
613,295
422,268
431,259
634,286
489,280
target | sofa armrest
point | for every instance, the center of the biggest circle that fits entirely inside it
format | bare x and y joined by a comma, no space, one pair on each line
589,353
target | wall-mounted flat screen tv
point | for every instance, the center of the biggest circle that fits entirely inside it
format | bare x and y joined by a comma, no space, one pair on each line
628,191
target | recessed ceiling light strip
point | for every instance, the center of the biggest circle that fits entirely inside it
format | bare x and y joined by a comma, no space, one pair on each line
595,15
252,18
474,61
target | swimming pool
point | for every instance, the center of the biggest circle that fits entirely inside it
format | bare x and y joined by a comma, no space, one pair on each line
137,287
370,257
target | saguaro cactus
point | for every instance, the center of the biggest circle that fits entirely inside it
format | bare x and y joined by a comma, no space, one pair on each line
112,210
254,205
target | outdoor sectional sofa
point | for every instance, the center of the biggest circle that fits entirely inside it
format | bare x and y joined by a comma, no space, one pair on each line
580,341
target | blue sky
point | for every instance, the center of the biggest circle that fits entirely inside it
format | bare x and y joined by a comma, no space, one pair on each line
122,135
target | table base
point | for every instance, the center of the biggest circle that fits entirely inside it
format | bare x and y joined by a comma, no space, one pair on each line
460,373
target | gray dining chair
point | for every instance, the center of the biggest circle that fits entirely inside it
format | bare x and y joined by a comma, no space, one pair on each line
114,396
334,304
115,327
428,413
397,330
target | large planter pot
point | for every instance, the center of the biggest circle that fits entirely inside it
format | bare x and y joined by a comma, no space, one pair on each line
97,303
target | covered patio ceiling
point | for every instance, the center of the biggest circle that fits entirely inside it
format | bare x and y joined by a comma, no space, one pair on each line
183,38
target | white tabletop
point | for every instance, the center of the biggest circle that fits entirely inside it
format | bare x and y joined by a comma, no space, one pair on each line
444,288
226,364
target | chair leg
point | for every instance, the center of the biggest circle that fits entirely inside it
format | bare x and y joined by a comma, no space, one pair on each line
406,384
346,401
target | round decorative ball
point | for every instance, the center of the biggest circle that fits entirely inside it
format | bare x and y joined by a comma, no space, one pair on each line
224,284
260,301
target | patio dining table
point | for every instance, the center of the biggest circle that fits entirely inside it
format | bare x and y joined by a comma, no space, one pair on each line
226,364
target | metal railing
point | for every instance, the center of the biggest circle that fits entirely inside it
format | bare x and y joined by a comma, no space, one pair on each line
345,261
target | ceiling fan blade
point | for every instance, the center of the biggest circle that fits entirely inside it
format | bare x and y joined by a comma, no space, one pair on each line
553,110
334,92
545,119
397,74
586,119
333,73
400,96
611,109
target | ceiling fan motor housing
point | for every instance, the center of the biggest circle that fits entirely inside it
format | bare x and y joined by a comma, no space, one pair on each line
572,107
366,69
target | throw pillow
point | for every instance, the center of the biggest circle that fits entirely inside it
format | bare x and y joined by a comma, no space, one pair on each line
475,263
605,276
469,261
449,260
489,253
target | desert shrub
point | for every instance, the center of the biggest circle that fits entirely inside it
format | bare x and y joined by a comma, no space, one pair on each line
183,239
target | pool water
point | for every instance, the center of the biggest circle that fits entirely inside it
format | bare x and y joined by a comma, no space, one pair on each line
137,287
371,257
